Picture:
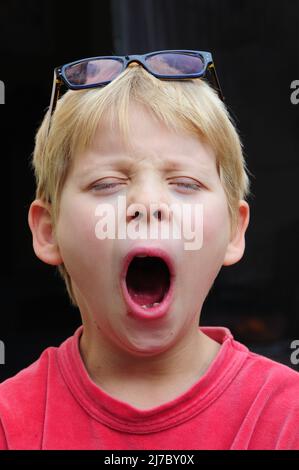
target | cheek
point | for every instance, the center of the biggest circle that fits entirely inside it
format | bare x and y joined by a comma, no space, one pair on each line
216,225
201,266
83,254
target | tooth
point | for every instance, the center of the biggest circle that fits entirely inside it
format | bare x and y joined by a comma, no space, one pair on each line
150,305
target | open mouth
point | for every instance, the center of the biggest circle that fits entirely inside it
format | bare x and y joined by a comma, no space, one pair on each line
148,283
148,280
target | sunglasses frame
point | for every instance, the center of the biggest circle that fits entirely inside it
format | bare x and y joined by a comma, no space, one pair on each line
60,79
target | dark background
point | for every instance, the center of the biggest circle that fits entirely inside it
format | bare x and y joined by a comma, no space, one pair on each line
256,50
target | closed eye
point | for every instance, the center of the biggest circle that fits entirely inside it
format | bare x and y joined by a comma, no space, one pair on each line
194,186
187,184
103,186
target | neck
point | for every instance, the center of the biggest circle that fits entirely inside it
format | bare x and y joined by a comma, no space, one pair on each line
147,381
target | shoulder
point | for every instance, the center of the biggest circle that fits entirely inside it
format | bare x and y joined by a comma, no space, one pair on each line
271,372
278,385
273,407
23,397
26,381
267,377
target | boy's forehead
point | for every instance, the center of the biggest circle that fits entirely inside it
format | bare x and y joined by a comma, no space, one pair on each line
150,142
112,153
92,165
148,137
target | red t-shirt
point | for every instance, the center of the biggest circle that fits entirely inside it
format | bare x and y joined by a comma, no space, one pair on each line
243,401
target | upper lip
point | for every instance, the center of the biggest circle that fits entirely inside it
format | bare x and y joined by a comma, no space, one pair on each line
148,251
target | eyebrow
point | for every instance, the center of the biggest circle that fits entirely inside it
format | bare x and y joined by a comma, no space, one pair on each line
120,162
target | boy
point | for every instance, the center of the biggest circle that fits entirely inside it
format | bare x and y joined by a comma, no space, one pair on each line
140,373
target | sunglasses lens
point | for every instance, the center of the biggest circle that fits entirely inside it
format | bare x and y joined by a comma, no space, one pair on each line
175,64
92,72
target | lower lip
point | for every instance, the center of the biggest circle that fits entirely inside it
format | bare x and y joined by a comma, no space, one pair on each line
151,313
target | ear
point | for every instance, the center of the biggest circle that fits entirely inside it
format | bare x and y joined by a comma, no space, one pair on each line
236,246
41,225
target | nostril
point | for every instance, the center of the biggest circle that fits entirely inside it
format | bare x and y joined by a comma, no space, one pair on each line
157,214
137,215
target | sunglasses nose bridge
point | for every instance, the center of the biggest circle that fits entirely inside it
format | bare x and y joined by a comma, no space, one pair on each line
131,59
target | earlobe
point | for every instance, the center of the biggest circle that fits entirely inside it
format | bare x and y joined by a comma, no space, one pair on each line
236,246
44,243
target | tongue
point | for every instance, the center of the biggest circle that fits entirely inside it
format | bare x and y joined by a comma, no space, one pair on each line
147,280
147,297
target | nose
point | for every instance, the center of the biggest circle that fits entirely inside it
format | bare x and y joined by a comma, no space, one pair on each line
148,202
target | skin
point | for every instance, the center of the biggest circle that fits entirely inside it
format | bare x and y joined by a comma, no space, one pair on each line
144,363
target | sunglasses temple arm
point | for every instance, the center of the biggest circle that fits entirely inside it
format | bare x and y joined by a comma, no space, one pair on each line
57,82
214,76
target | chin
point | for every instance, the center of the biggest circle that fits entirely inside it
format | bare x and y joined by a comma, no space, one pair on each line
145,344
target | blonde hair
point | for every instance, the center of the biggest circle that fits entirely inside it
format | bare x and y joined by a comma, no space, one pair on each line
190,105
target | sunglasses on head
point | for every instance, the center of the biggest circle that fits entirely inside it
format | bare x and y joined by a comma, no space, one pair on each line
166,65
